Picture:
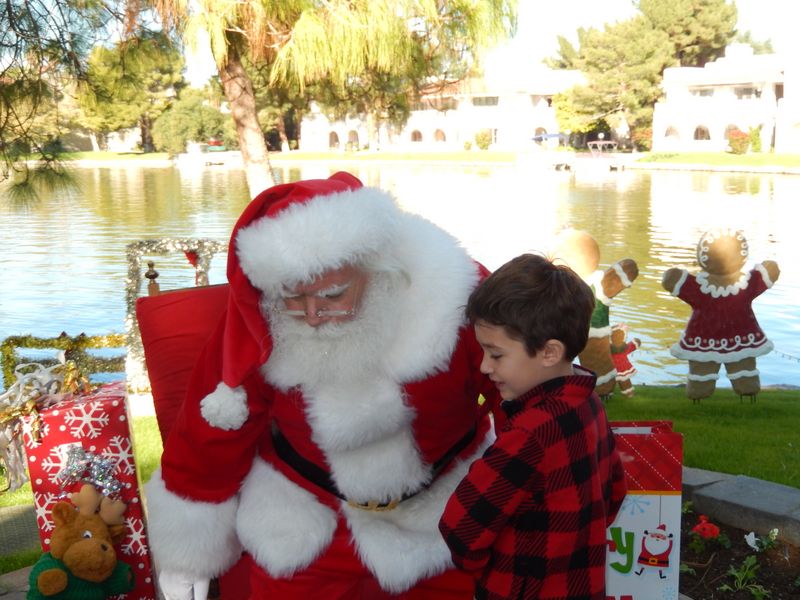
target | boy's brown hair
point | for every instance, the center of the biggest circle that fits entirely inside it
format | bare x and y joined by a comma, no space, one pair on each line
535,301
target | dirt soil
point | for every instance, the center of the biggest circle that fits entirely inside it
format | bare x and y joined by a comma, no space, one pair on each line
778,573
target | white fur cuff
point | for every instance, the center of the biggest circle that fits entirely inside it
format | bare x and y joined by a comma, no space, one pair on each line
189,536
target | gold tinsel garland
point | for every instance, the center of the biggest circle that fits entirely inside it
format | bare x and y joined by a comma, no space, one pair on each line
203,249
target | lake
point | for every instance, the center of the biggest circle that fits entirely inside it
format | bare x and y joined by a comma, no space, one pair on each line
64,265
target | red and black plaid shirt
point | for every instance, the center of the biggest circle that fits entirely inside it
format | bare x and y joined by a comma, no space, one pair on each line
529,520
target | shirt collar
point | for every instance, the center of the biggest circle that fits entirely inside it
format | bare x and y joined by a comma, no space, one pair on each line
581,378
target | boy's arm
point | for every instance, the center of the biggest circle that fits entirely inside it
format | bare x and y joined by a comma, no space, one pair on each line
491,492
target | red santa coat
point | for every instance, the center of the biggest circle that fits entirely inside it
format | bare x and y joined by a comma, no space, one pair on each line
723,327
226,484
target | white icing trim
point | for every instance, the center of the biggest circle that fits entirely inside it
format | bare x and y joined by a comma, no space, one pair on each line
740,374
627,392
284,527
710,377
715,351
596,280
598,332
716,291
679,284
192,537
623,276
225,407
610,376
764,274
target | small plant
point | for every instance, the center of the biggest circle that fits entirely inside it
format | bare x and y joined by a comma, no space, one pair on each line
704,534
796,582
738,141
687,507
762,544
755,139
744,579
483,139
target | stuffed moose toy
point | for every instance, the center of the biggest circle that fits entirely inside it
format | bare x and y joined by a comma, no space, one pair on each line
82,563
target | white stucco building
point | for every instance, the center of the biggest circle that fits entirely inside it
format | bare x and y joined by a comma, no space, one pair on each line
449,119
740,90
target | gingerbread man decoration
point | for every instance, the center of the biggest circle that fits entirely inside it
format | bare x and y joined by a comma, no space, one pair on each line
580,251
722,328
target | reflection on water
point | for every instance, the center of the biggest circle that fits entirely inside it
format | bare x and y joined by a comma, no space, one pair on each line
64,268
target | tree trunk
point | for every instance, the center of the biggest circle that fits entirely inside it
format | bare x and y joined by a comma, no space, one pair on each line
281,126
239,92
146,131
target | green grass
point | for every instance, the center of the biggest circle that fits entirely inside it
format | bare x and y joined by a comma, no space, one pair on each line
464,156
758,159
724,434
122,156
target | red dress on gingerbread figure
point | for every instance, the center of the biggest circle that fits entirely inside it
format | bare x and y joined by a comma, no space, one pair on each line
620,351
723,328
579,250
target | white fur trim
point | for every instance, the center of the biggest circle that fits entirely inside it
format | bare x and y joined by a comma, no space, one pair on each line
225,407
679,284
764,275
192,537
283,526
403,546
323,233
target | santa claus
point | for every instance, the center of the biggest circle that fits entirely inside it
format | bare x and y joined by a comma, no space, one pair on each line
656,548
333,411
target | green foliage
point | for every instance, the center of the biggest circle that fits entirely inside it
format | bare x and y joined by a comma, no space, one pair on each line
131,84
642,138
744,579
755,139
699,30
738,141
483,139
759,47
191,119
623,66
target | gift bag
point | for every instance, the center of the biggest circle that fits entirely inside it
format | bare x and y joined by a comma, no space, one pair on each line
94,425
643,554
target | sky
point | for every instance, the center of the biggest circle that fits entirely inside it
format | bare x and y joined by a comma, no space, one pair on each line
541,21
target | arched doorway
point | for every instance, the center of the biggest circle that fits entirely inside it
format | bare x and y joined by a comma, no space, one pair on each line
416,136
439,136
352,140
701,133
333,140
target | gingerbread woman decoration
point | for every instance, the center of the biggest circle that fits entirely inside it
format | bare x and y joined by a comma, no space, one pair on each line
621,349
722,328
580,251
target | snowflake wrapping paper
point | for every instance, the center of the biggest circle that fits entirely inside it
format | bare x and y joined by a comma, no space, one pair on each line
643,557
99,422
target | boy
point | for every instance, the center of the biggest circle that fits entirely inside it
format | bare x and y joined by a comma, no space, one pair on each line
529,519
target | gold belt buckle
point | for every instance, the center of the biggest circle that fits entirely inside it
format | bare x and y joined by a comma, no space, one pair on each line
374,505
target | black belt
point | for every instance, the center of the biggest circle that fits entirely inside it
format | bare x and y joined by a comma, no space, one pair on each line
322,478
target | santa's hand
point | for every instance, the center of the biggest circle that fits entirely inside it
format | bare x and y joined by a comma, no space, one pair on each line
182,586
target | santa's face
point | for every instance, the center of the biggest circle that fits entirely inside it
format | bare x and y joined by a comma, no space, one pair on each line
657,542
332,297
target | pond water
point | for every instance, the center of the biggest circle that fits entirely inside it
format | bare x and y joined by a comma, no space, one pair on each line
64,266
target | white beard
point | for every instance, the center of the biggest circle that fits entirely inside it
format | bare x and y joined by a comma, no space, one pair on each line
334,352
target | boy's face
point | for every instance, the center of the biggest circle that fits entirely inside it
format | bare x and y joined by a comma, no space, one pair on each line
507,362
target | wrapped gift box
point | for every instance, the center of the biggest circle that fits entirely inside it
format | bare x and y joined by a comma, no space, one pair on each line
99,423
643,557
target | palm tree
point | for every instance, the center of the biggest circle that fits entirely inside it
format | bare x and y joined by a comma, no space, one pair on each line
306,41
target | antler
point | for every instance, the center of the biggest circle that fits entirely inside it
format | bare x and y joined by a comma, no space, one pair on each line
87,499
112,511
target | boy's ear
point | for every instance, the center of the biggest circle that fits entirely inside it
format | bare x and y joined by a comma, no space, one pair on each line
553,352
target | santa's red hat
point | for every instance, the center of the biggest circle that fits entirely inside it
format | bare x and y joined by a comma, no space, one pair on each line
292,233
